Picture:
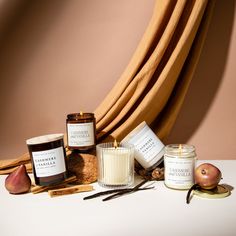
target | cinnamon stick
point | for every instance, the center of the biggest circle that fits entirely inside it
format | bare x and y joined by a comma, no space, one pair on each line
70,190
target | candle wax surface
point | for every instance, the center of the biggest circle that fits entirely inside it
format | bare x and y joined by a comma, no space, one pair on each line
116,165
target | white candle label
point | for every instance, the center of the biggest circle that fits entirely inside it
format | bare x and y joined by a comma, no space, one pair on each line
179,172
49,162
147,146
80,135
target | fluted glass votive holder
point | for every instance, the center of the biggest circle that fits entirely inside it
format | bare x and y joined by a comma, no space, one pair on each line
115,165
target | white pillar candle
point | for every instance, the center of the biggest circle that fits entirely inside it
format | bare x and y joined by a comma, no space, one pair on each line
115,165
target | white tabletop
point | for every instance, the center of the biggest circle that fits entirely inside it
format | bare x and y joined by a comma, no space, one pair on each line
161,211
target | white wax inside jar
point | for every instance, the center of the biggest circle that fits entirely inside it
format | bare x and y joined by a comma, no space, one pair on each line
181,151
116,165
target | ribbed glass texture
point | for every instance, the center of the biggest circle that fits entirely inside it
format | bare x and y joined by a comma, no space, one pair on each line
115,165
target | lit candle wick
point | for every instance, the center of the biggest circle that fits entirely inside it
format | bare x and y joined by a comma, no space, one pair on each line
81,113
180,149
115,144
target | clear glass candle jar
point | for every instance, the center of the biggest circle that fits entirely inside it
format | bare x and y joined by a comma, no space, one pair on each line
115,165
48,159
179,163
81,131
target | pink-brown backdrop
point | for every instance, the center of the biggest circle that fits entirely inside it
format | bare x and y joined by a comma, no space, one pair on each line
59,57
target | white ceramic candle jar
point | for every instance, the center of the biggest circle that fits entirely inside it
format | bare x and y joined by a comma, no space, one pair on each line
149,149
115,165
179,162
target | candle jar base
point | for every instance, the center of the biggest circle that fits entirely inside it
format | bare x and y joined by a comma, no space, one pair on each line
174,187
115,186
49,181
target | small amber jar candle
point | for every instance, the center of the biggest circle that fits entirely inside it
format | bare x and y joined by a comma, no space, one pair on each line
81,131
48,159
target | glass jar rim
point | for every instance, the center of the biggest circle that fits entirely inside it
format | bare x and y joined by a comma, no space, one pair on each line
179,148
44,139
119,145
79,116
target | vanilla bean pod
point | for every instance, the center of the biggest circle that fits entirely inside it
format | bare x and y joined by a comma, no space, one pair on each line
119,192
194,187
135,188
104,193
114,191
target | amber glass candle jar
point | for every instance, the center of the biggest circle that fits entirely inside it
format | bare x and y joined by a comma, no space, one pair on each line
48,159
81,131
